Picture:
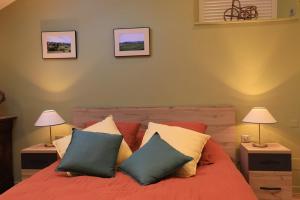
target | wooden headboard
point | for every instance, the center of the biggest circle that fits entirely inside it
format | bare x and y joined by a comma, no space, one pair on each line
220,120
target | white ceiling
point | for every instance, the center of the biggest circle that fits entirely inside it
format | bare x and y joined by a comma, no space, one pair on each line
4,3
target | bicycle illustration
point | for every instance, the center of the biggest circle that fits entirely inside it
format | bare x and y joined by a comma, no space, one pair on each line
237,12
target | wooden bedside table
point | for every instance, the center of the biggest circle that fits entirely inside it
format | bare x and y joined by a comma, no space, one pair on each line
268,170
6,166
35,158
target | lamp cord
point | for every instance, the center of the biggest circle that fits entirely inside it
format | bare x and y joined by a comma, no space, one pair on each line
259,134
50,135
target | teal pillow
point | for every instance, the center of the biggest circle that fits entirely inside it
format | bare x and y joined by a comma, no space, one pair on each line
93,154
154,161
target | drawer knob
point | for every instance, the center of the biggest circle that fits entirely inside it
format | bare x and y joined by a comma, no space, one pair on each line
275,189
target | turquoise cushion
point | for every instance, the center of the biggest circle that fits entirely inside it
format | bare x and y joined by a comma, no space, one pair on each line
93,154
154,161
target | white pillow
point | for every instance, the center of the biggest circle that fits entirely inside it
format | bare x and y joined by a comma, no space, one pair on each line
106,126
188,142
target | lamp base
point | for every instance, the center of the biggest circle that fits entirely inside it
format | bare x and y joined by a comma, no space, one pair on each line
260,145
49,145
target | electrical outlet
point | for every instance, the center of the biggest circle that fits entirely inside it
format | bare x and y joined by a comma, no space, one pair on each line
294,123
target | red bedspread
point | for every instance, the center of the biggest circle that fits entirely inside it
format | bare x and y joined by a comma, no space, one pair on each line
219,181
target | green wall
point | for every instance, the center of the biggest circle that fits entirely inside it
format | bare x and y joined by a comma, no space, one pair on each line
285,7
241,65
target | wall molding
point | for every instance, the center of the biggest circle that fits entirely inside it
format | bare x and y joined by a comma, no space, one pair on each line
4,3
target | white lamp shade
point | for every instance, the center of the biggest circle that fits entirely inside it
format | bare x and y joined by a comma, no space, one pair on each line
259,115
49,118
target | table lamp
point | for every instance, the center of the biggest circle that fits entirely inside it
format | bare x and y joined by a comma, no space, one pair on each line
259,115
49,118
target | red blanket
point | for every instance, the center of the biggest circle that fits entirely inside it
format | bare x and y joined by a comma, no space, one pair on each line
218,181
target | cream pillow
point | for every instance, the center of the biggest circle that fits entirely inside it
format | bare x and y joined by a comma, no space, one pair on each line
106,126
188,142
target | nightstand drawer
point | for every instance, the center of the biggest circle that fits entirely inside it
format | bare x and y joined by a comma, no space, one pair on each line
269,162
37,160
271,185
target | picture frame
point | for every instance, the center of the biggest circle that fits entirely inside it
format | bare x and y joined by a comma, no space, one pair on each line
59,44
132,42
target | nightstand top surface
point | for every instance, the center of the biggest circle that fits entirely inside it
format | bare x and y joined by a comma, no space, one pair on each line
272,148
39,148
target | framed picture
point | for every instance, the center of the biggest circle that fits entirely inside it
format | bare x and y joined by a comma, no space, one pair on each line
132,42
59,44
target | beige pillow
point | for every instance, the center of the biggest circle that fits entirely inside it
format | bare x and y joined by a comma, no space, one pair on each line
188,142
106,126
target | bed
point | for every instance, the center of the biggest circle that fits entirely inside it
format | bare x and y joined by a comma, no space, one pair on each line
220,180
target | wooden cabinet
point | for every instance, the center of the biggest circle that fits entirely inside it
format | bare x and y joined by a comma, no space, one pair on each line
6,167
35,158
268,170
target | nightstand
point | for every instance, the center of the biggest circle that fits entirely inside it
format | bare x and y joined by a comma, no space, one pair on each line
268,170
35,158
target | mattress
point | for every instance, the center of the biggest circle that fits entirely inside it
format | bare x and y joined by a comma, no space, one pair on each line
218,181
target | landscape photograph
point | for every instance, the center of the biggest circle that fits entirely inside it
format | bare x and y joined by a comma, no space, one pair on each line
59,44
132,42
